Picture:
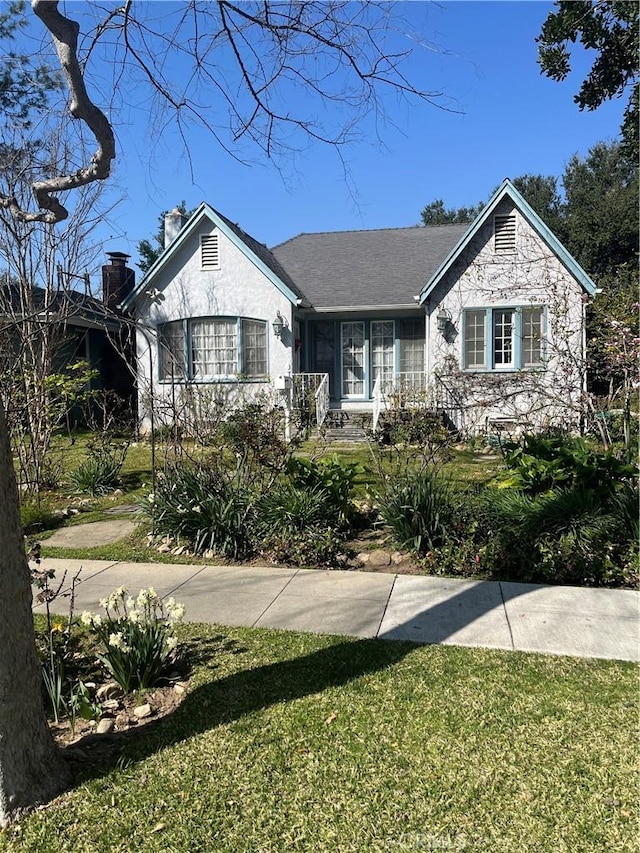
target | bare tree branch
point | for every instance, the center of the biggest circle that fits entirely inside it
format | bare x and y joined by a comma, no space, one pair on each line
64,33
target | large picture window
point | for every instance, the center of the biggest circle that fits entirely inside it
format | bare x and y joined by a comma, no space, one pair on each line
213,348
503,338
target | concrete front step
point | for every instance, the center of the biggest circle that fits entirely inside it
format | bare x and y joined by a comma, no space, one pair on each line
342,425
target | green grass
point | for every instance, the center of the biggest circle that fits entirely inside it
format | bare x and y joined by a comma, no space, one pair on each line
313,743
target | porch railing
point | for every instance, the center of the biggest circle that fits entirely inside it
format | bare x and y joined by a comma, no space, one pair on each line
377,403
311,394
322,399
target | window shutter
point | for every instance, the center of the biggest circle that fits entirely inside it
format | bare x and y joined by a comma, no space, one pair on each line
505,232
210,252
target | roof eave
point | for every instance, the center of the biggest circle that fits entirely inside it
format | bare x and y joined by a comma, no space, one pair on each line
205,210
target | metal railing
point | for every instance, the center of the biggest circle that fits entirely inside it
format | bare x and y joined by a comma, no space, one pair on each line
377,403
311,394
322,400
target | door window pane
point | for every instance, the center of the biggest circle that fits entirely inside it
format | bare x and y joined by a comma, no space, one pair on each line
353,359
383,353
412,334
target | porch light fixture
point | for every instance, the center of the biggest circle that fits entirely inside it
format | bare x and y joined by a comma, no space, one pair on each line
279,325
444,318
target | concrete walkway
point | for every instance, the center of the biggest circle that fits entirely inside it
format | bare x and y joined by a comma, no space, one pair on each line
594,623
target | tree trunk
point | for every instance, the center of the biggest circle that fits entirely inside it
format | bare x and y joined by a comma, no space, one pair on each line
31,769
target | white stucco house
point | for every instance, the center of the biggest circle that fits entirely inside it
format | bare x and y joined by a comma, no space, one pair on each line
483,321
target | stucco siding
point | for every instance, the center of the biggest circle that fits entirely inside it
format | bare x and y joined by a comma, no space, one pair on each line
183,290
530,276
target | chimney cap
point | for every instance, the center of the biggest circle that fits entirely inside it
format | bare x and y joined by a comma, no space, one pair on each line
118,258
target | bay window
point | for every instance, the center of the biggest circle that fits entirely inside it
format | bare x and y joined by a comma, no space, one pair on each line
213,348
503,338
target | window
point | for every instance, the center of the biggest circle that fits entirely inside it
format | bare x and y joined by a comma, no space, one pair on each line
254,347
213,348
209,252
171,350
474,340
504,233
531,325
503,338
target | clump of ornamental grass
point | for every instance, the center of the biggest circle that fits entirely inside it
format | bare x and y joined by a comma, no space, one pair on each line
138,640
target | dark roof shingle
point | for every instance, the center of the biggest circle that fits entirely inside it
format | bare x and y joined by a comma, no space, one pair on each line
388,266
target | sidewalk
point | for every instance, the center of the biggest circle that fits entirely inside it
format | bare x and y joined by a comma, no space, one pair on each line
562,620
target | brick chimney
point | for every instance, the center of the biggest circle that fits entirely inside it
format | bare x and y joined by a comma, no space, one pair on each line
173,223
117,280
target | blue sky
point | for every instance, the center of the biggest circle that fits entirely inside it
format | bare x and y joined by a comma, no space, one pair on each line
512,121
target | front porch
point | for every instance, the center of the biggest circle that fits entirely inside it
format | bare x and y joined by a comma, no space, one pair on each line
351,418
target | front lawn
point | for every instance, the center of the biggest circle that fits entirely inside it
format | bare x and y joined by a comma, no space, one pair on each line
311,743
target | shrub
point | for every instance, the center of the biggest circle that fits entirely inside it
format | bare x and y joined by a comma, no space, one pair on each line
205,507
100,473
255,432
540,463
419,510
37,515
137,636
300,525
334,476
569,535
314,546
289,509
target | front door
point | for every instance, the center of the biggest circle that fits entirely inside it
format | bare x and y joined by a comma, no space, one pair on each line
353,360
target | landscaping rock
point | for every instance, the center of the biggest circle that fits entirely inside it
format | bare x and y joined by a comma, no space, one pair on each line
379,558
105,726
363,557
397,558
142,711
163,549
109,690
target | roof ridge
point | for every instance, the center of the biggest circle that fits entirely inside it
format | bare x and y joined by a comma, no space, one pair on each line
345,231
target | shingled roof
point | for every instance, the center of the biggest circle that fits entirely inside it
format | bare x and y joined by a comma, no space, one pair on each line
362,269
261,252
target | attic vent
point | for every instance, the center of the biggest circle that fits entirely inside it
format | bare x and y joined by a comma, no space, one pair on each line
209,252
505,232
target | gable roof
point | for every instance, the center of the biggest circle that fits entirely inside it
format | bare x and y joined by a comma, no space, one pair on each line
507,189
366,269
256,252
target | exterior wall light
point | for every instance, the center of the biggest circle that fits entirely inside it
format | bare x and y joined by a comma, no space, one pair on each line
279,325
444,318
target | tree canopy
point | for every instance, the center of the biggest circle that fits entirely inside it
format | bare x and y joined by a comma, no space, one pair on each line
610,28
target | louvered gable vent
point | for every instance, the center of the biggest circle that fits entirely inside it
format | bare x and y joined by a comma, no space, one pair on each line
505,232
210,252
